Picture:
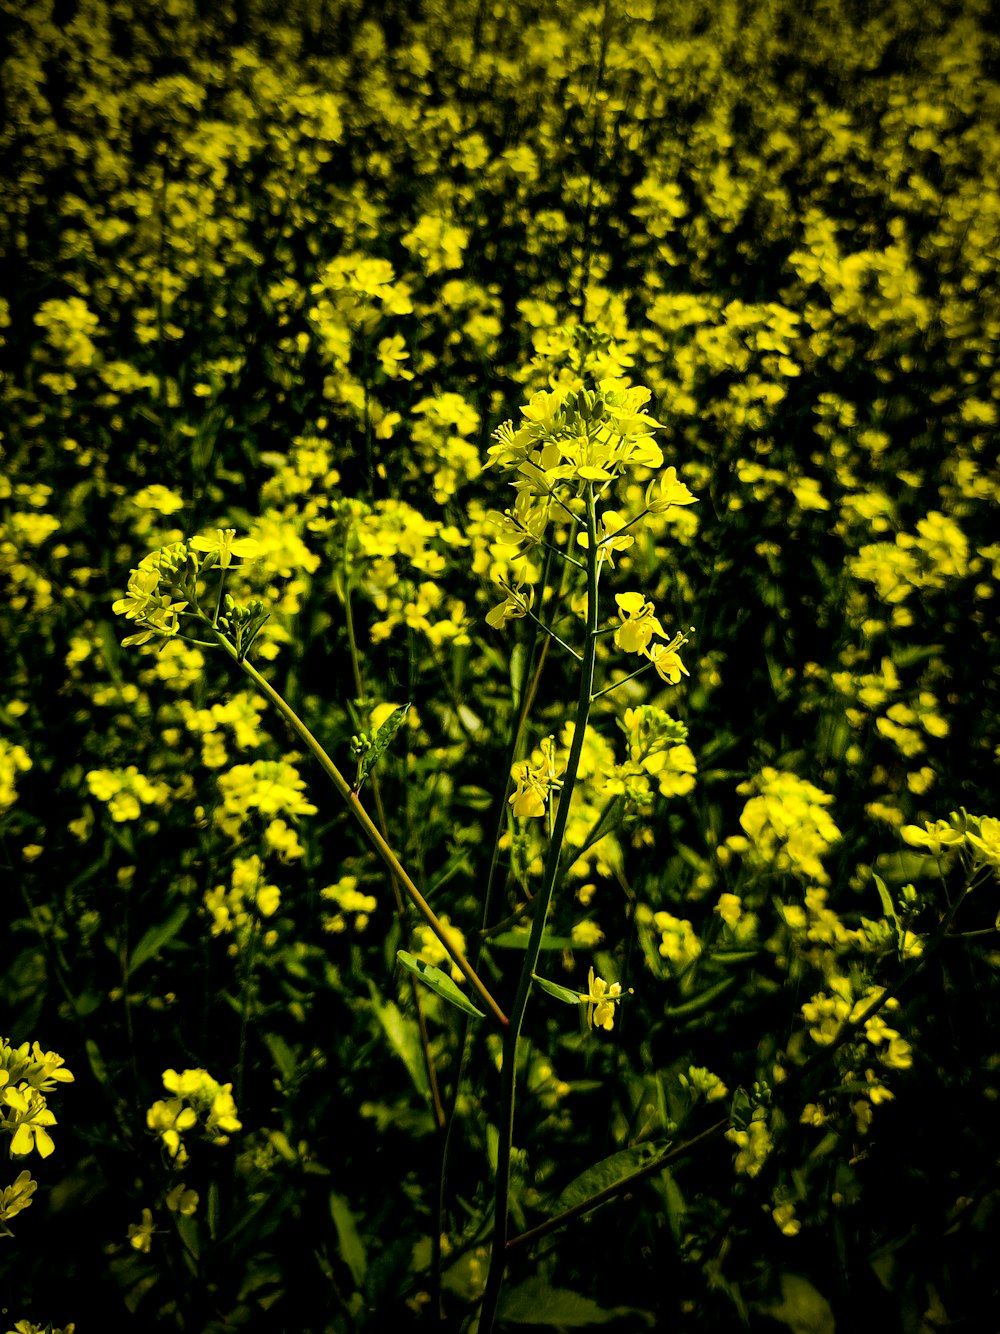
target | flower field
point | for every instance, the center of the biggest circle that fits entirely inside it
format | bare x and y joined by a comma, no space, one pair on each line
499,736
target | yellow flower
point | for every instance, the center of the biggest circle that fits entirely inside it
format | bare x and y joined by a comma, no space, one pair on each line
227,545
935,836
516,603
180,1200
729,908
30,1114
535,779
140,1235
667,662
987,841
601,1000
16,1197
784,1217
639,623
668,490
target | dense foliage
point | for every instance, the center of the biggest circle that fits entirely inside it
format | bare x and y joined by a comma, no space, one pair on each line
303,288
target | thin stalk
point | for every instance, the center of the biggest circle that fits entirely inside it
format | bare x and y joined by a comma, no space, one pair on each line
371,831
383,824
508,1078
625,1184
552,635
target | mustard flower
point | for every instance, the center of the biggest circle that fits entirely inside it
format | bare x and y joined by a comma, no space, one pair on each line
28,1114
666,491
180,1200
535,779
169,1119
428,948
587,934
639,623
601,1000
679,944
226,545
140,1235
516,603
610,538
936,836
140,597
667,662
754,1144
729,908
785,1220
16,1197
987,841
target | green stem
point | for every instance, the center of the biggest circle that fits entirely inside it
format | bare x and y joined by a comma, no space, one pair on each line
622,1186
552,635
508,1078
383,824
371,831
615,684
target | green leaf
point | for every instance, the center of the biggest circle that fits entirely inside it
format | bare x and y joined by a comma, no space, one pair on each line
518,940
404,1038
381,741
802,1308
702,1001
282,1056
157,936
888,907
535,1302
352,1248
97,1062
518,673
439,982
676,1208
608,1172
560,993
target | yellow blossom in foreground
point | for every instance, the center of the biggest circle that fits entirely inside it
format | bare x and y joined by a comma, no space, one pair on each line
639,623
935,836
601,1000
226,545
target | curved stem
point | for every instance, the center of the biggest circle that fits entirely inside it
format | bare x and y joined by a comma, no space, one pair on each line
508,1079
371,831
383,824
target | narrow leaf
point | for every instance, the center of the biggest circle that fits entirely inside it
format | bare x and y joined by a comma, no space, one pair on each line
157,936
404,1037
282,1056
518,940
352,1248
608,1172
439,982
560,993
888,907
382,739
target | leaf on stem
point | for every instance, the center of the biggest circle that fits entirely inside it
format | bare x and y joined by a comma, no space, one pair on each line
381,741
605,1174
439,982
561,993
153,940
536,1302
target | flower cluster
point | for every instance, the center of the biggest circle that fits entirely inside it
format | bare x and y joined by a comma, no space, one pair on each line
786,825
27,1074
199,1102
